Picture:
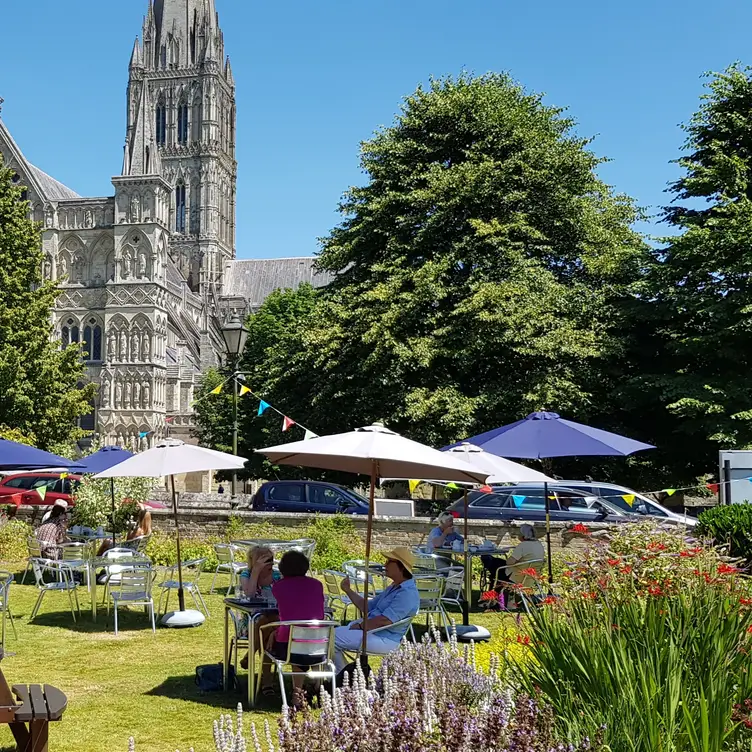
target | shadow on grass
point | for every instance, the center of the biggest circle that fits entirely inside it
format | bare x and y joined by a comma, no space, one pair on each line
184,688
128,621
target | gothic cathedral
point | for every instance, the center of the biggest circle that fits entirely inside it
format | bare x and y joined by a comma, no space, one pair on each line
149,274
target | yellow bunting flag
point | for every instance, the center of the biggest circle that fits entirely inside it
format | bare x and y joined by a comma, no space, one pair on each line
669,491
42,491
413,484
453,486
216,390
629,498
244,390
63,476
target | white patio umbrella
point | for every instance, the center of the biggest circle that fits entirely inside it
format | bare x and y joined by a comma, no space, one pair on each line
172,457
378,452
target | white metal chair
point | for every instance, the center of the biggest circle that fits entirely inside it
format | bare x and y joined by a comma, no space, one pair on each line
310,646
355,569
138,544
35,552
431,562
133,589
63,582
407,623
334,595
454,587
6,580
226,563
430,590
239,641
113,571
191,575
75,556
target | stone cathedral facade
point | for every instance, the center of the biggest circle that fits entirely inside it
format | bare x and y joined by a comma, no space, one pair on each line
149,274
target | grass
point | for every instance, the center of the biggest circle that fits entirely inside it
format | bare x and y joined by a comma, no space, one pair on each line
136,684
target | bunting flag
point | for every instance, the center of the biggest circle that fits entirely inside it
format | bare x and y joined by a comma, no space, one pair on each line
169,419
141,434
42,491
310,435
453,486
287,423
244,390
629,498
216,390
63,476
262,406
413,484
518,500
486,489
712,487
669,491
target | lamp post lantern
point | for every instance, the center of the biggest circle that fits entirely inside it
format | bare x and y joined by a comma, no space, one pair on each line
234,335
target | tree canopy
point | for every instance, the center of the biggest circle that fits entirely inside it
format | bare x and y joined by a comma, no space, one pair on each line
40,398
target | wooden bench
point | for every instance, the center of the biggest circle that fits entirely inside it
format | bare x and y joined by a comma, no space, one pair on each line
37,706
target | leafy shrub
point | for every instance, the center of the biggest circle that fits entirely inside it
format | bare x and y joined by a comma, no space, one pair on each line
162,550
650,641
93,501
729,525
13,536
336,541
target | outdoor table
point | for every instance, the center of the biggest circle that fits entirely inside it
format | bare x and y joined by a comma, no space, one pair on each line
96,562
254,608
467,553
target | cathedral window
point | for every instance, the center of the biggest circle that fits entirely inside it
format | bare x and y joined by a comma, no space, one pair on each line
183,123
163,56
65,336
161,123
97,343
87,343
74,334
180,208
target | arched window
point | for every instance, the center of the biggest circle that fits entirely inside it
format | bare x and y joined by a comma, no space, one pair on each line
180,207
183,122
97,343
87,343
161,122
74,334
65,336
148,162
163,56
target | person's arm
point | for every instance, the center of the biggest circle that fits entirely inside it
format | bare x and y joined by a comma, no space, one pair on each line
373,623
357,600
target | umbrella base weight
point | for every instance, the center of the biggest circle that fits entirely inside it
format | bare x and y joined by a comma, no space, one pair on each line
179,619
466,633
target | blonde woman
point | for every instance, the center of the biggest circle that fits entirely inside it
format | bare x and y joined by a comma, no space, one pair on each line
142,528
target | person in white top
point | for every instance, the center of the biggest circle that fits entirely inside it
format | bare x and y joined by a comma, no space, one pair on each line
528,553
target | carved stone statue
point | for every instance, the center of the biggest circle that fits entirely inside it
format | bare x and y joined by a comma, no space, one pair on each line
142,264
78,269
123,346
88,218
134,346
49,217
118,397
135,209
126,268
128,395
111,346
63,267
147,347
120,437
47,268
111,270
106,393
136,396
147,395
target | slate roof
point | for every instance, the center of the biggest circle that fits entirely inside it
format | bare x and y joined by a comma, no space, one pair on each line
255,279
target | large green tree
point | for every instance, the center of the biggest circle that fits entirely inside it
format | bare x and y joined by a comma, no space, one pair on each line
697,384
483,271
40,398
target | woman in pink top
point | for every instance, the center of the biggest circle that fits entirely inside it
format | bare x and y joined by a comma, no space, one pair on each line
298,598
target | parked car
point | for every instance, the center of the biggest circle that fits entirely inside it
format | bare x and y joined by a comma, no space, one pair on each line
641,506
568,505
308,496
21,487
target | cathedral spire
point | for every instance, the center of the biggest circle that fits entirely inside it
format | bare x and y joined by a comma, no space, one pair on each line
141,152
137,60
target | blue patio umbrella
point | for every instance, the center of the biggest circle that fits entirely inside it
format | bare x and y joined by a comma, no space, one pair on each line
15,456
544,435
104,459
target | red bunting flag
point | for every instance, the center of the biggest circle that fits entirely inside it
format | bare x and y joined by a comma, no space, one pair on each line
712,487
486,489
287,423
170,419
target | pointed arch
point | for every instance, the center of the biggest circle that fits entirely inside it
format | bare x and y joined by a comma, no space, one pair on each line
161,120
180,206
182,119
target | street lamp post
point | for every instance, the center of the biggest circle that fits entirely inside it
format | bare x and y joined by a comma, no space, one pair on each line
235,335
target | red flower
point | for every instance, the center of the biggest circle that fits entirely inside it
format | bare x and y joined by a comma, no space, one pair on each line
489,595
656,546
581,528
655,590
749,629
745,601
567,574
612,562
523,639
531,572
627,569
549,600
727,569
687,554
589,596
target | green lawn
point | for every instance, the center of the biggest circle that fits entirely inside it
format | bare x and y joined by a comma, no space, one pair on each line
136,684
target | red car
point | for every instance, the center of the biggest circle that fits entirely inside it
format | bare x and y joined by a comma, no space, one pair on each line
18,488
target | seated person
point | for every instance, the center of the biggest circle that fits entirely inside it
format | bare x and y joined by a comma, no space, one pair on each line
299,598
256,582
444,534
53,532
399,601
528,552
141,529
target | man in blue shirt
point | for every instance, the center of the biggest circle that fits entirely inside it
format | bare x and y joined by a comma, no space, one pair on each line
399,601
444,534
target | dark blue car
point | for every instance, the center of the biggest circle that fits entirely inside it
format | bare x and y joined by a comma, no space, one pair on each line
308,496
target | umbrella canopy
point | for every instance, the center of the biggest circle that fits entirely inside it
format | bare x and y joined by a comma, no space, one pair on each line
358,451
499,469
15,456
104,459
543,434
172,457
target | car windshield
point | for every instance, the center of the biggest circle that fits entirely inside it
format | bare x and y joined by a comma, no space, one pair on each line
357,495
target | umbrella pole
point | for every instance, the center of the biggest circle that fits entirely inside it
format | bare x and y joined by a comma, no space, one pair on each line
181,595
468,573
112,493
548,536
369,530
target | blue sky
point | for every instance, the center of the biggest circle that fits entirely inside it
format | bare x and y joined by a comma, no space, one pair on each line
315,78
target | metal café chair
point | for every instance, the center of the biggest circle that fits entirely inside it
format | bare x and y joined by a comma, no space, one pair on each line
407,623
431,562
334,595
76,556
454,587
133,589
34,549
63,583
191,574
6,580
355,569
226,563
430,590
114,570
311,645
138,544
